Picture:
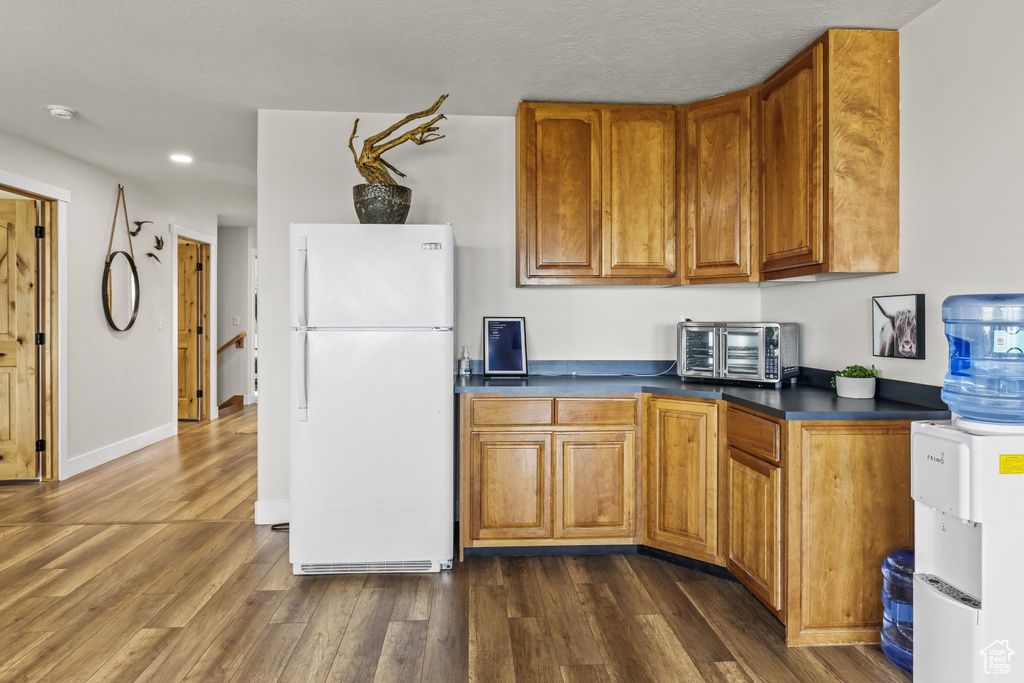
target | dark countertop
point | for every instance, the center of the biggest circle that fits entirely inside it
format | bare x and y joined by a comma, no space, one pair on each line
791,402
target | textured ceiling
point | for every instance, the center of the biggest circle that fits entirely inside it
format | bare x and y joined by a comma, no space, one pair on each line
157,76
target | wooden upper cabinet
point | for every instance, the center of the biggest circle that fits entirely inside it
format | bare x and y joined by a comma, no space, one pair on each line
681,478
791,111
639,226
719,156
829,128
596,194
559,192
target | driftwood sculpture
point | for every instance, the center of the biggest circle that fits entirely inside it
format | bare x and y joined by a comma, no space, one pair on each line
370,164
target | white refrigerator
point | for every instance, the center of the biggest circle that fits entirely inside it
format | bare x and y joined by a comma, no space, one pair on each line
372,408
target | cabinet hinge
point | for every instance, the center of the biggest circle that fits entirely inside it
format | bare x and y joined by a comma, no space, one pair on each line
199,266
40,231
40,338
40,445
199,329
199,393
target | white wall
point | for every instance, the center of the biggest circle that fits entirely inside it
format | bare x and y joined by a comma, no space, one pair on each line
961,181
119,385
234,295
305,174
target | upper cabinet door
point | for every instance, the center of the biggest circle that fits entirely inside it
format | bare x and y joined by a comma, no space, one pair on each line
559,192
792,119
639,226
716,191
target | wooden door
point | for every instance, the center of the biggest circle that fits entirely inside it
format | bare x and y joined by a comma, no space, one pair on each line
639,228
510,482
716,190
755,526
792,115
18,384
189,339
595,483
681,484
559,178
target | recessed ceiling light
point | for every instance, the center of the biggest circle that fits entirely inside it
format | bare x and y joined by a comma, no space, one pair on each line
60,111
181,158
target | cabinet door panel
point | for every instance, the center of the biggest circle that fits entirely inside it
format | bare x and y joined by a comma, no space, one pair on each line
639,227
560,191
755,526
717,190
595,479
849,522
792,228
682,478
510,475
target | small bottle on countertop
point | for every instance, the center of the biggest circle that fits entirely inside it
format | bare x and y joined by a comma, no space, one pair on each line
464,363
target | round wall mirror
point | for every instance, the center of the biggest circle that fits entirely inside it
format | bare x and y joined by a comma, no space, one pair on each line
120,291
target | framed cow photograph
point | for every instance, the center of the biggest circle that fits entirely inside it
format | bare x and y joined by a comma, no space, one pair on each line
897,327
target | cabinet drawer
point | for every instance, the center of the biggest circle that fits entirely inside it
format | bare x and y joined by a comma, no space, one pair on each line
753,434
595,411
510,412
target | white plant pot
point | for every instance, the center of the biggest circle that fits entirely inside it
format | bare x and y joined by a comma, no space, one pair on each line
855,387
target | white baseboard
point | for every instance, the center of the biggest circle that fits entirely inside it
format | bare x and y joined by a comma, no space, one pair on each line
248,399
272,511
86,461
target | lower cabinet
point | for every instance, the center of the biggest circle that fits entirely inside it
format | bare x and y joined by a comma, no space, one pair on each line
594,485
511,493
848,505
813,509
681,482
548,471
755,526
801,512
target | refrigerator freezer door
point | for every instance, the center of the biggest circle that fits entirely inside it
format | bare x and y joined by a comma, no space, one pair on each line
372,276
372,465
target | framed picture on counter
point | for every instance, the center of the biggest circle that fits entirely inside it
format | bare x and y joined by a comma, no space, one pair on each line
897,326
505,346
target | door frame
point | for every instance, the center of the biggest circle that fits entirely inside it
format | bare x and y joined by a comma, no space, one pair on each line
252,279
54,388
211,335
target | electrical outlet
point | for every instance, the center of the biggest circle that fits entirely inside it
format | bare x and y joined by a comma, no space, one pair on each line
235,320
160,323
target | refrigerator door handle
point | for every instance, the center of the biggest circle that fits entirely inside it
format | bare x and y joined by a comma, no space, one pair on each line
301,286
300,375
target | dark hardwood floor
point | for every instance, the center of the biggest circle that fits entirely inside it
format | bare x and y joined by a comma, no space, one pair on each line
150,569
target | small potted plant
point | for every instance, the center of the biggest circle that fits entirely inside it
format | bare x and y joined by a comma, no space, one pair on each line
855,381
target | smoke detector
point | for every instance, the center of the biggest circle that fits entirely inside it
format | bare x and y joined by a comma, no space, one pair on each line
60,111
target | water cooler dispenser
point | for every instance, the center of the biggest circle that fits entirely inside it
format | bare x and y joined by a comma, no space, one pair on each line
967,481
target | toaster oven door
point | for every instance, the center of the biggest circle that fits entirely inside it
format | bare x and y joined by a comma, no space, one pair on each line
742,356
697,348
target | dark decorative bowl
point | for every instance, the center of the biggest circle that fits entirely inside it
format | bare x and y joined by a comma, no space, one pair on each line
382,202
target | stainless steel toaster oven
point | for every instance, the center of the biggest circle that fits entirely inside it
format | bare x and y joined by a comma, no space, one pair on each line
746,352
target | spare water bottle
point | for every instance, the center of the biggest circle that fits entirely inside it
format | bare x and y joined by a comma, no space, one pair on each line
985,381
898,608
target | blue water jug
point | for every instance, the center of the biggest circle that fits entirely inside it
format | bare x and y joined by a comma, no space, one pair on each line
985,381
898,608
